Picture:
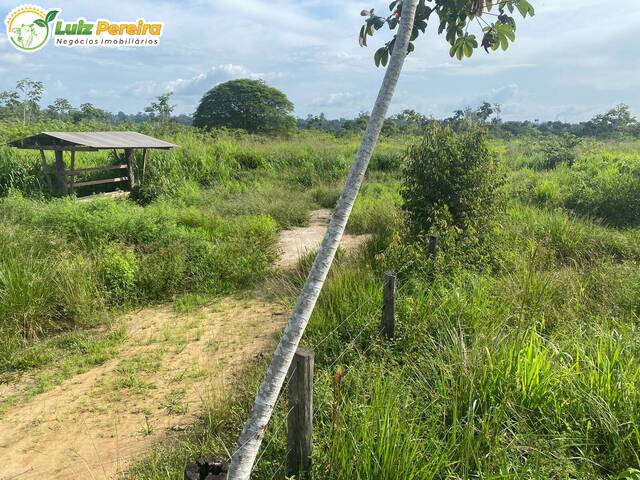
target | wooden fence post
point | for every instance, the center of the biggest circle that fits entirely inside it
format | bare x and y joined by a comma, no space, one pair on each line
128,156
72,171
144,165
61,175
300,417
388,322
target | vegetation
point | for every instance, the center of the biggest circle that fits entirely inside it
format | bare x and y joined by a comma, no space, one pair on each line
451,186
521,364
526,369
245,104
208,226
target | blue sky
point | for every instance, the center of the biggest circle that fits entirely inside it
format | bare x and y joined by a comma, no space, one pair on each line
575,58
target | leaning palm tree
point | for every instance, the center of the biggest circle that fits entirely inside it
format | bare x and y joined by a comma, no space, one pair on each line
251,437
451,13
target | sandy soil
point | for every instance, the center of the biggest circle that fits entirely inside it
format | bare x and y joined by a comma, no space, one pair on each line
171,364
298,241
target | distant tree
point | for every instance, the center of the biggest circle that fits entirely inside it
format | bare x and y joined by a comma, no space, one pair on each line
61,108
357,125
88,111
497,112
29,94
161,109
316,122
183,119
10,103
484,112
249,105
410,122
617,121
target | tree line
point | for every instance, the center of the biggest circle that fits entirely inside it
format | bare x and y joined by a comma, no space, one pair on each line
253,106
616,122
24,104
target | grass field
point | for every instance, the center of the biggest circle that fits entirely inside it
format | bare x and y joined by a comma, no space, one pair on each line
524,367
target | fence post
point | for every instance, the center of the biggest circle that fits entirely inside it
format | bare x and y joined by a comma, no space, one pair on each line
388,322
300,417
128,156
61,174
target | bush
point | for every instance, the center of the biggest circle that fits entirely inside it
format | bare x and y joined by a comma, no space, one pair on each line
451,185
118,269
559,150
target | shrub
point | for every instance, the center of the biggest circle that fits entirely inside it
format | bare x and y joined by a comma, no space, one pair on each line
118,269
559,150
326,196
451,185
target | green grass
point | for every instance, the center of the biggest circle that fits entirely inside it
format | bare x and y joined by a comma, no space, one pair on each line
527,368
523,367
54,359
212,209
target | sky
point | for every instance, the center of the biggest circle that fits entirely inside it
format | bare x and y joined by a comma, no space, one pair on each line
574,59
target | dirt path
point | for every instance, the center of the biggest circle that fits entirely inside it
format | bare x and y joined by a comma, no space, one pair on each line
172,364
298,241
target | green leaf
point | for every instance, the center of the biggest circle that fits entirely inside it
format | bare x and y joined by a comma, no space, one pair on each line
39,22
378,56
51,15
385,58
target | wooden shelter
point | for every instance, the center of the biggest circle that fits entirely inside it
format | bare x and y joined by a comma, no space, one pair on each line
72,142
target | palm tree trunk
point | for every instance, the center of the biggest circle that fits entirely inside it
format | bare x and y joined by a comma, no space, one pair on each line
249,443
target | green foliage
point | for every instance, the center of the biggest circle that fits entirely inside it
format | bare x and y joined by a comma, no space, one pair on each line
560,150
455,17
603,182
451,186
245,104
525,370
118,268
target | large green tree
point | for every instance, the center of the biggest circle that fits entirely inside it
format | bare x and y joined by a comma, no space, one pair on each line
249,105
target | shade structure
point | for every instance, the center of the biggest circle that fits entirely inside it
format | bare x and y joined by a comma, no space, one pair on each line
60,142
90,141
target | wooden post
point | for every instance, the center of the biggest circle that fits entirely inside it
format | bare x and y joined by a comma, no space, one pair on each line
128,156
388,322
300,417
60,173
144,165
45,172
72,172
433,243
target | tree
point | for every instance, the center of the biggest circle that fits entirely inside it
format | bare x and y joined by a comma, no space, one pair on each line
88,111
60,108
403,15
30,94
485,111
450,185
245,104
161,109
10,102
617,121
